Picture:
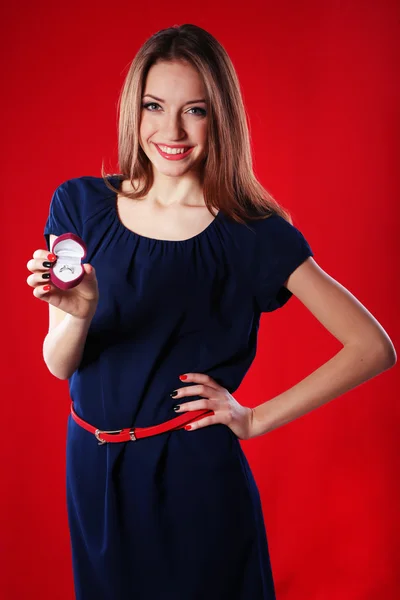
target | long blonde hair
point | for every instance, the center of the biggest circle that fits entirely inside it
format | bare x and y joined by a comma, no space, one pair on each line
228,181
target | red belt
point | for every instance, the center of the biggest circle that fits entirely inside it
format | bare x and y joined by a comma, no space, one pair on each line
135,433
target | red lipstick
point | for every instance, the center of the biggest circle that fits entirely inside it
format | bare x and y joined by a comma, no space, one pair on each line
178,156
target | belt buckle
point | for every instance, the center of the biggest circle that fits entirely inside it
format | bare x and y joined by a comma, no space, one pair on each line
101,442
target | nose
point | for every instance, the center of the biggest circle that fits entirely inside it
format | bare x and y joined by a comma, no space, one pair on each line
173,129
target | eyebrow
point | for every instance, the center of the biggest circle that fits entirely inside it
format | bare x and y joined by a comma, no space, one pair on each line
161,100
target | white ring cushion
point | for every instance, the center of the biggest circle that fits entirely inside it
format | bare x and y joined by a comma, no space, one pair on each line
69,253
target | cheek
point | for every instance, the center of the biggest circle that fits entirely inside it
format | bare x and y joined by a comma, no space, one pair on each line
202,133
145,129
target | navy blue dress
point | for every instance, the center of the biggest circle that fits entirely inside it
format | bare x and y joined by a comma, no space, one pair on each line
176,516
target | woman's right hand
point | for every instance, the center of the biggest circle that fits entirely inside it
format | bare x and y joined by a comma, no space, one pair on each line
80,301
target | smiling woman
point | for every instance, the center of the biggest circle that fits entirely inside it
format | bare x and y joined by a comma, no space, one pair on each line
174,131
178,94
174,293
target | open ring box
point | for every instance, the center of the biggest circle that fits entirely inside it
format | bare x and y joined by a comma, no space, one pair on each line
67,272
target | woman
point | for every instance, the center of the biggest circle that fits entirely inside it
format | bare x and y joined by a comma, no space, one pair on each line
166,319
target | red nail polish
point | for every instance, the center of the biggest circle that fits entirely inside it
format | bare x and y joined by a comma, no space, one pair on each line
51,257
183,377
187,427
46,288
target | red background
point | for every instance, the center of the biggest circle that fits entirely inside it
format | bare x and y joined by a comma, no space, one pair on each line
320,82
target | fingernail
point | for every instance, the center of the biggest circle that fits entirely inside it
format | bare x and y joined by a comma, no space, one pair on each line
187,427
47,264
183,377
177,407
51,257
46,276
174,393
46,288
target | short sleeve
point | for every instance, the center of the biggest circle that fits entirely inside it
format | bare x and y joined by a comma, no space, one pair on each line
281,248
64,213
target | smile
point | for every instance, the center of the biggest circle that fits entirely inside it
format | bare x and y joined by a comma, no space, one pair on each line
174,154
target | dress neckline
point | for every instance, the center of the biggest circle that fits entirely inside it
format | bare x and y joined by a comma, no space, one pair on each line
117,183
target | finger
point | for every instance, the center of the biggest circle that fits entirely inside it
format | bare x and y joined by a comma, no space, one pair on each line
201,378
44,255
90,272
40,264
193,390
205,422
36,279
43,292
194,405
89,269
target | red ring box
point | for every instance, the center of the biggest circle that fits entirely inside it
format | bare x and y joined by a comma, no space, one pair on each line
67,272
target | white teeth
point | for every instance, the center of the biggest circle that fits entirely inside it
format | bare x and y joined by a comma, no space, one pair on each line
173,150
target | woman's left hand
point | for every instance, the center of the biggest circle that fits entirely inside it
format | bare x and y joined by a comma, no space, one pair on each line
216,398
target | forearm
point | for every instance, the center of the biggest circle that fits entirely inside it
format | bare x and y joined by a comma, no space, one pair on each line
350,367
63,346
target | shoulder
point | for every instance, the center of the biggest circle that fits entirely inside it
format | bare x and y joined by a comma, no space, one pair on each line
280,249
275,234
273,225
84,194
88,184
78,205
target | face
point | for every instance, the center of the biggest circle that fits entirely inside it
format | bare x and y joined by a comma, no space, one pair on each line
173,119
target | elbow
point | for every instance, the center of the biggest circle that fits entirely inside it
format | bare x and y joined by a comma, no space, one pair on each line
384,353
57,372
62,376
389,355
379,352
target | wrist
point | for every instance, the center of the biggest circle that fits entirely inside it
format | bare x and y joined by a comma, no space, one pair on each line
260,423
80,321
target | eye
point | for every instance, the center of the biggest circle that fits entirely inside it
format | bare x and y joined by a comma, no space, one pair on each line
202,112
150,104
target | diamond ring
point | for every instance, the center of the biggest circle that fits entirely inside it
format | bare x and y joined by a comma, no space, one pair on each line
67,267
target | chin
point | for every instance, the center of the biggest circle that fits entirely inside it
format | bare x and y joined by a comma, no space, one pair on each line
174,172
